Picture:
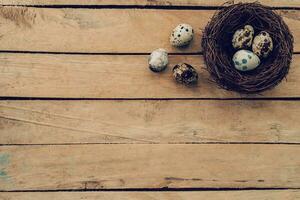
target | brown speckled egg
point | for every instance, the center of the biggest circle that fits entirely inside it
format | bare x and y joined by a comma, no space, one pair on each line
185,73
262,44
242,38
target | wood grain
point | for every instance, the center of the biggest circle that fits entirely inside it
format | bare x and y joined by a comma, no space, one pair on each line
109,76
109,166
274,3
58,122
209,195
105,30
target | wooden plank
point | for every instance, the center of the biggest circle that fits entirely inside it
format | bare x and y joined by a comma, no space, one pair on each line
275,3
209,195
59,122
110,166
109,76
105,30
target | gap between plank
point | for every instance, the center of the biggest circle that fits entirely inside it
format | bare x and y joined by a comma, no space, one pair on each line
108,53
93,53
151,190
156,7
151,143
15,98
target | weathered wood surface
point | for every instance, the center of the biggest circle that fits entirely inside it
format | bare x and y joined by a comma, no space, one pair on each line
108,166
54,122
110,76
208,195
274,3
136,163
105,30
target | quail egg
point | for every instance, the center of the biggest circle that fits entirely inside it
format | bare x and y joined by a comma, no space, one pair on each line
182,35
262,44
158,60
185,73
242,38
245,60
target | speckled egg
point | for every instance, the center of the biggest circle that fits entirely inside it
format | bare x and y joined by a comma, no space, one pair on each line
182,35
262,44
245,60
185,73
242,38
158,60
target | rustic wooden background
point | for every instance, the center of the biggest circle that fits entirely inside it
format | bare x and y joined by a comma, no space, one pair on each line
81,116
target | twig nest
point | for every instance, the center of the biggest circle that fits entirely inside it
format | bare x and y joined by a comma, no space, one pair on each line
182,35
242,38
245,60
262,44
158,60
185,73
218,50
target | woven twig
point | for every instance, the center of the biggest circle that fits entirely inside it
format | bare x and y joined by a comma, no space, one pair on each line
218,50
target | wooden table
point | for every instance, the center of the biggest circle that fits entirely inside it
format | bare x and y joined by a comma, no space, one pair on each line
82,117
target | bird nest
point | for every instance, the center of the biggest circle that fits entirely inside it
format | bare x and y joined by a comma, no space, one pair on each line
218,50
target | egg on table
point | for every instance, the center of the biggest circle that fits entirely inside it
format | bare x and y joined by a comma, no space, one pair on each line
245,60
185,73
158,60
262,44
242,38
182,35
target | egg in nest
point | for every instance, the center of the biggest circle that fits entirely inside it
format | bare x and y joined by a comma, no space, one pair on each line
242,38
262,44
245,60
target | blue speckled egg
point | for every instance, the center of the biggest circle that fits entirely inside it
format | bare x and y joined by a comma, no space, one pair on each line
245,60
